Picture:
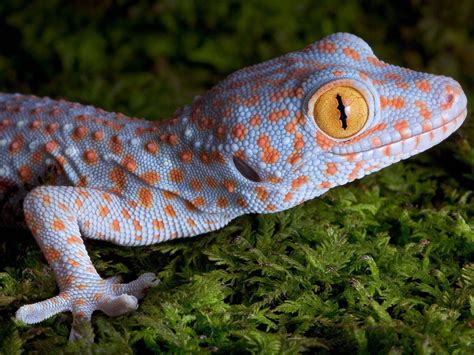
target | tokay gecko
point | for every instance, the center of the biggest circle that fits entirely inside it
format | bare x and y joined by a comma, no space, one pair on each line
265,139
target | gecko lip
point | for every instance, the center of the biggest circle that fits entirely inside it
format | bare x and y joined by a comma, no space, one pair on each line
420,137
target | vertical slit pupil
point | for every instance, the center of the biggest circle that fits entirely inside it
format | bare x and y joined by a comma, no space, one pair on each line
342,111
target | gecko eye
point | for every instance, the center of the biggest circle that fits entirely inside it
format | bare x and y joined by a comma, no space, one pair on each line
339,111
246,170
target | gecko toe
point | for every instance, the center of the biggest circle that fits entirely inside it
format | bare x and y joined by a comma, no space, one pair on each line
115,306
36,312
137,287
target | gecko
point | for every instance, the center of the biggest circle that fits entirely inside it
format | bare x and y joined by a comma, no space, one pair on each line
265,139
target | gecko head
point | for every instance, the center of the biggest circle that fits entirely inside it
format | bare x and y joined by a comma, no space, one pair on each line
290,128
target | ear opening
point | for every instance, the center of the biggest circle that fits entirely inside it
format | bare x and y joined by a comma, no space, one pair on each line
246,170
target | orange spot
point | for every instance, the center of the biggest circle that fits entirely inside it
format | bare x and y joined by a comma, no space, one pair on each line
299,181
51,254
51,146
74,263
90,157
270,155
211,182
396,102
239,131
206,123
242,202
426,126
98,136
337,72
74,240
107,197
263,141
145,197
118,177
288,197
129,163
16,145
169,211
375,62
103,211
46,200
158,224
278,115
150,177
331,169
204,157
271,207
125,214
299,141
402,128
51,128
402,85
115,225
199,201
294,158
262,193
220,132
327,46
229,185
25,173
35,124
176,175
137,225
196,185
79,133
115,145
78,203
222,202
186,156
325,185
168,195
255,120
352,53
392,76
423,85
363,75
189,206
424,112
376,142
151,147
282,94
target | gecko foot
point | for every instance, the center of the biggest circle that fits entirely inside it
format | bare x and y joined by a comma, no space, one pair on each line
109,296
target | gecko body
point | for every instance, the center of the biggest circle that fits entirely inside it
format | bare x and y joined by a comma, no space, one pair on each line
266,138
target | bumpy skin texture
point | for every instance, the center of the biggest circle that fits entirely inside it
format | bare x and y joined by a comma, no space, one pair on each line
79,172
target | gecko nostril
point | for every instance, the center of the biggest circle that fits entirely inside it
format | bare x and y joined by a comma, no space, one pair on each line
449,98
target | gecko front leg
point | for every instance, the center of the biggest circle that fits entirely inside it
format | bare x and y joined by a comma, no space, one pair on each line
58,217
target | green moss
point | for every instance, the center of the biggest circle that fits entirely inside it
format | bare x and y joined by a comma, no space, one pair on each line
383,265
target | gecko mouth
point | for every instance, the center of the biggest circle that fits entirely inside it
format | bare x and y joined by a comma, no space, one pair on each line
408,142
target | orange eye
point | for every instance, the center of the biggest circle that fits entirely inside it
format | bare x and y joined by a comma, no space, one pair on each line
340,111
